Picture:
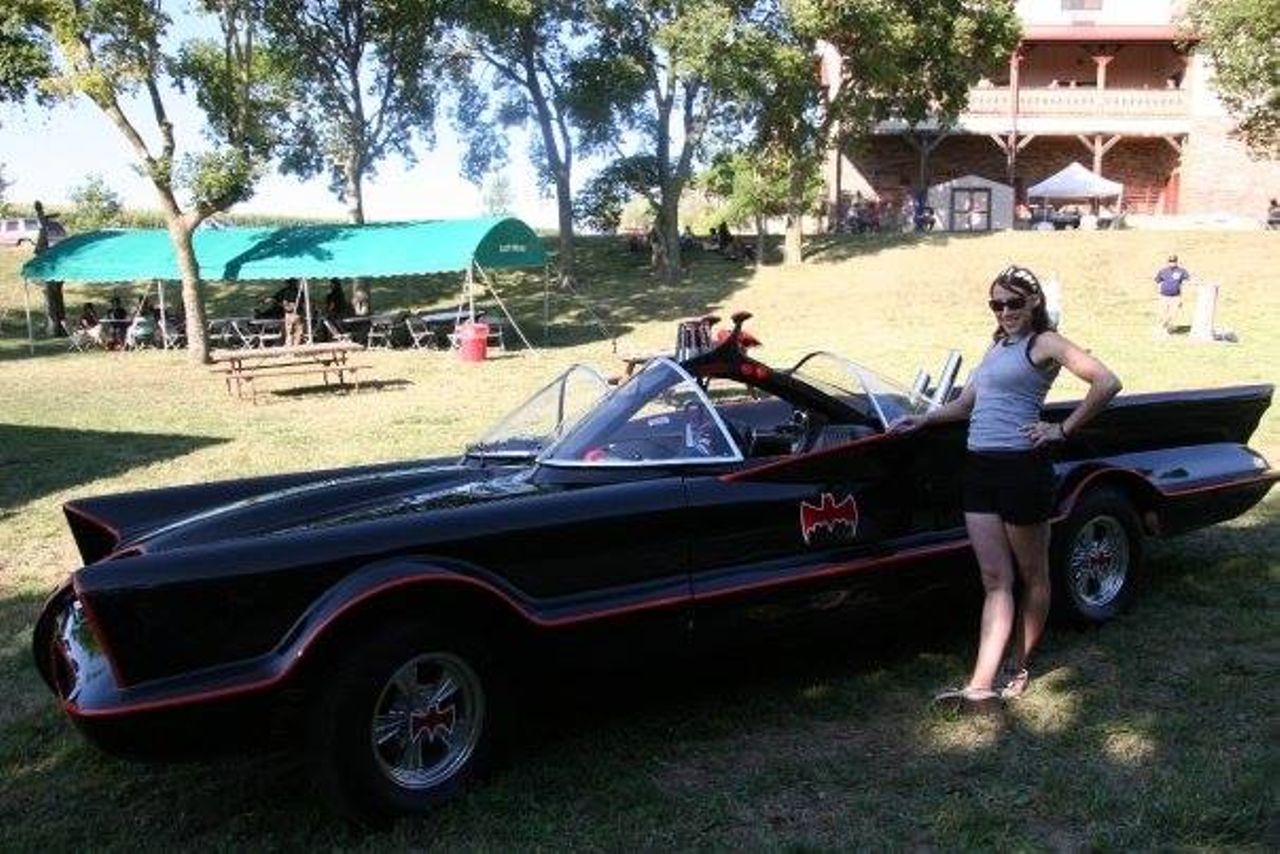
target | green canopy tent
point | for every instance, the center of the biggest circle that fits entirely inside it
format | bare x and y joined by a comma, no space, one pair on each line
303,251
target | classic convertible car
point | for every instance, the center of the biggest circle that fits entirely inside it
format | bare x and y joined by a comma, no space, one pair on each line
707,496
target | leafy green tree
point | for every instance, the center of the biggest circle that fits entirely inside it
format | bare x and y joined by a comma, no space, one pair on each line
498,197
366,78
24,58
109,50
664,72
365,75
1242,38
901,60
524,55
601,202
97,205
752,186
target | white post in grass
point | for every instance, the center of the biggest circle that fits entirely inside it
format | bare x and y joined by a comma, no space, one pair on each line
1206,308
1052,289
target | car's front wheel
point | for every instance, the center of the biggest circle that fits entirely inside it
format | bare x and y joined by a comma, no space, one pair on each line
1097,555
403,722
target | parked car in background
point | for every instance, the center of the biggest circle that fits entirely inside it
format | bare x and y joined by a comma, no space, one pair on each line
23,231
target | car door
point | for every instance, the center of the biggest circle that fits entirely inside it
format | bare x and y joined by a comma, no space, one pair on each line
866,524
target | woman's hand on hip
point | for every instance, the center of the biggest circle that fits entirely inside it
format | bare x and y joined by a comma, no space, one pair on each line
1044,432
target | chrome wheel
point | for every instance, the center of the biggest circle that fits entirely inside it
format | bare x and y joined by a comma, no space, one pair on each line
427,720
1098,561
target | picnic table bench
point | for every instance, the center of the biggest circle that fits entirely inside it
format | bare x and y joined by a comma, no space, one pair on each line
241,369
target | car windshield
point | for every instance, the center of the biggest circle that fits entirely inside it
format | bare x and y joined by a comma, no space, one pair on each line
862,388
658,417
544,418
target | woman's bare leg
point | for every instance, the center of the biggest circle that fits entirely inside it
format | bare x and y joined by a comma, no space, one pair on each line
1030,545
990,543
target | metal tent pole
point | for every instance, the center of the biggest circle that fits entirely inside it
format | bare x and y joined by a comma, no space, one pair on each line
26,302
306,308
164,326
494,293
471,293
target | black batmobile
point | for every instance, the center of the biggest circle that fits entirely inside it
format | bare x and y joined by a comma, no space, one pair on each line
707,496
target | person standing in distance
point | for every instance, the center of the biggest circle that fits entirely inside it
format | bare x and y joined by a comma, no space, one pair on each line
1008,487
1171,278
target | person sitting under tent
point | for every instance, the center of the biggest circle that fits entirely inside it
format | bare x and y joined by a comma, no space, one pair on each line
117,316
142,331
336,305
295,325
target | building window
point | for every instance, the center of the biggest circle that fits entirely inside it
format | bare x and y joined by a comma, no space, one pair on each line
1081,5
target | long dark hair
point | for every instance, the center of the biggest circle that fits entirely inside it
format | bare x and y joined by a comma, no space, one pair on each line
1024,283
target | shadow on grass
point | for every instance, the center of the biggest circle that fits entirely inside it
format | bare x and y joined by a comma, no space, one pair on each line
831,248
321,390
37,461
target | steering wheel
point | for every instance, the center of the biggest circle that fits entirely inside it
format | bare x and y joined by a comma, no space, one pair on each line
803,429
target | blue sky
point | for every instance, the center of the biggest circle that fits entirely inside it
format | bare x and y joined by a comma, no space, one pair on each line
47,152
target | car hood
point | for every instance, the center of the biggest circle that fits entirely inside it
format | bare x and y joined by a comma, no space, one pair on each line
177,517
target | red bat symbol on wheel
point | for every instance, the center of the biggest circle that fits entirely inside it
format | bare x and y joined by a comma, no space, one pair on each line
433,721
837,517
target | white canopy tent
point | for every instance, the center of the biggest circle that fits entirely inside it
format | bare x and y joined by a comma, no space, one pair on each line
1075,182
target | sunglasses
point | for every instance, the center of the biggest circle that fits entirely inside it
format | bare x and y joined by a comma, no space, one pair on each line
1012,303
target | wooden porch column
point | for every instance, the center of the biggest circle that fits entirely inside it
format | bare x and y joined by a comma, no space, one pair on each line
1098,145
1102,60
1010,144
1015,87
1172,188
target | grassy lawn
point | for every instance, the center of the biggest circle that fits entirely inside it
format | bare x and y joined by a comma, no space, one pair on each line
1157,731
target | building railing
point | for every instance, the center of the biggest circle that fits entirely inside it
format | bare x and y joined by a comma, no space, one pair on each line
1136,103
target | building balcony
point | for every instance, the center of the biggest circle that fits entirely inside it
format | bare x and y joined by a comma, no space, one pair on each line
1082,102
1079,110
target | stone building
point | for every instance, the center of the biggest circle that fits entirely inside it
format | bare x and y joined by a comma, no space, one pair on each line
1115,84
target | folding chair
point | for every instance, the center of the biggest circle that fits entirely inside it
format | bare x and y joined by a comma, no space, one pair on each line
495,334
380,331
172,336
421,335
335,334
80,340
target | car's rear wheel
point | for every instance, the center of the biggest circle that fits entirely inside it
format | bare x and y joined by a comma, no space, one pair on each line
404,721
1097,557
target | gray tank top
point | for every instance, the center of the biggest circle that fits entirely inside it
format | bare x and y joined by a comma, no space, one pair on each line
1010,393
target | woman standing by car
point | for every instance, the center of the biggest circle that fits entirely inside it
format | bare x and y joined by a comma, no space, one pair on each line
1008,475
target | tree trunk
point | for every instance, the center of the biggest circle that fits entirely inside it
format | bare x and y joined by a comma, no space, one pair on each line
564,206
760,231
192,304
793,251
669,229
354,192
55,309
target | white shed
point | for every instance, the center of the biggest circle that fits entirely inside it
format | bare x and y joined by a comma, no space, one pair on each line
972,203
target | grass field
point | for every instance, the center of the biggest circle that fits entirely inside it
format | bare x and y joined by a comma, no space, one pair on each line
1157,731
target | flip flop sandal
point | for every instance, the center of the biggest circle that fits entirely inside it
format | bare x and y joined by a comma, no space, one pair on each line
1016,685
959,697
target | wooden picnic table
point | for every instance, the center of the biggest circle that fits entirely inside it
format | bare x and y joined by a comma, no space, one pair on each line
241,369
